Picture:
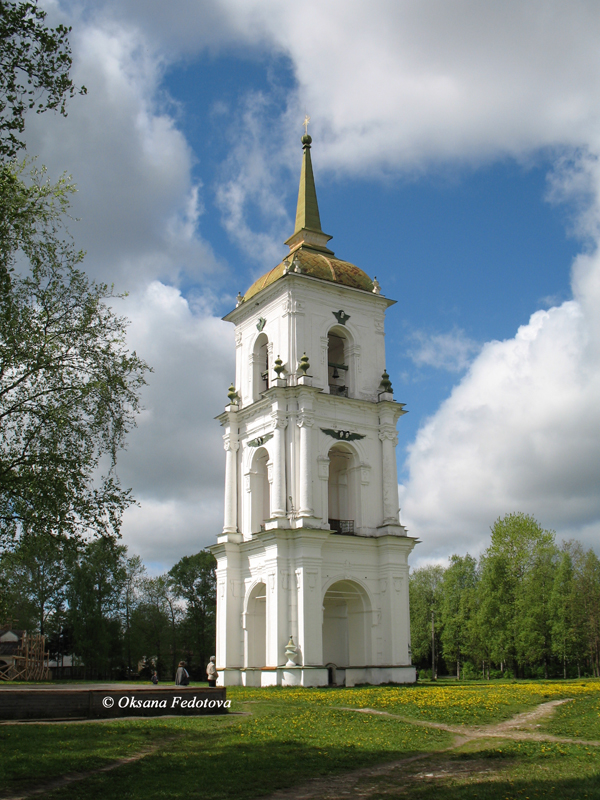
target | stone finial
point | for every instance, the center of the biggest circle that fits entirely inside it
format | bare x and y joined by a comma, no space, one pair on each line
296,266
232,395
291,652
376,286
386,384
304,365
278,368
239,299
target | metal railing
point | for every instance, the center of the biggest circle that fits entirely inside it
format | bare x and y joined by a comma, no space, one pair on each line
343,526
338,391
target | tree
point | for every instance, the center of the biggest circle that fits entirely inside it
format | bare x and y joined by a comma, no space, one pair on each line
69,388
34,70
193,580
425,601
134,575
587,581
95,598
458,597
156,620
517,540
37,573
533,607
566,612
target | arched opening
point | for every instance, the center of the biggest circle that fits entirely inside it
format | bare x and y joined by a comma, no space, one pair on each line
256,627
260,366
260,490
346,608
342,489
337,360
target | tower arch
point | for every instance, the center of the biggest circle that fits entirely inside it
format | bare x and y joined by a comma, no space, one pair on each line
260,490
346,625
343,489
340,367
255,628
260,366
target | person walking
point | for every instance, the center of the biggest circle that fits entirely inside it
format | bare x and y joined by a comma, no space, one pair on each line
211,671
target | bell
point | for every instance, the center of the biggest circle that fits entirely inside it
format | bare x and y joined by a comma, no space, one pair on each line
335,374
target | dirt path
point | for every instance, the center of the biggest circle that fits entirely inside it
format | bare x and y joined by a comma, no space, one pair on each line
520,727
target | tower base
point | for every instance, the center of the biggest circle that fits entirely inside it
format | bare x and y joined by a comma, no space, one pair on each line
315,676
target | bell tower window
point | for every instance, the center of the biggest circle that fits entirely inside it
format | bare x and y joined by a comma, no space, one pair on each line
260,359
337,360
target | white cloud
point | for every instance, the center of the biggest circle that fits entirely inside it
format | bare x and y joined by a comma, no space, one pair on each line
391,86
251,183
175,461
521,432
451,351
137,204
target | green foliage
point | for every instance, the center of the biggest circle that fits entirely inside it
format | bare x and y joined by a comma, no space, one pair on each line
34,70
518,543
458,589
69,388
193,580
94,594
38,573
425,587
527,609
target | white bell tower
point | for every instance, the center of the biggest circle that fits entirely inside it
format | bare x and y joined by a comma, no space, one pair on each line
312,572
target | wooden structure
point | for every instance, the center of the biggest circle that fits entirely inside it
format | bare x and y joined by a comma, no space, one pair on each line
23,656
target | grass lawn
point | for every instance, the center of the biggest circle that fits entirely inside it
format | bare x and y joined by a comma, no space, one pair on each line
283,738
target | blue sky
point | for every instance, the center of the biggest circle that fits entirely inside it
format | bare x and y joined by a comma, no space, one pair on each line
461,248
455,148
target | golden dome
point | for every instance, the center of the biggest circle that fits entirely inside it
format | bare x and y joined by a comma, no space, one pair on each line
317,265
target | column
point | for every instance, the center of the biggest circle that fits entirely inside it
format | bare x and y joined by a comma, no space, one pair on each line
231,447
389,440
278,496
305,422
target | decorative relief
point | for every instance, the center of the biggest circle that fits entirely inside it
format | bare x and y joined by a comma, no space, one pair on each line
365,476
311,578
383,585
260,440
230,444
285,579
238,338
341,316
298,574
271,582
305,419
345,435
388,433
379,324
324,348
261,323
323,468
279,420
397,584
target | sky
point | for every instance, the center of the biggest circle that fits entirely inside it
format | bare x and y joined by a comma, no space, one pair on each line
455,150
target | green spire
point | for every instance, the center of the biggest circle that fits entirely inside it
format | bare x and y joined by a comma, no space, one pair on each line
307,211
308,231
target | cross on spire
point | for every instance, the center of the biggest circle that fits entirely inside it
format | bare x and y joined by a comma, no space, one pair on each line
305,123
